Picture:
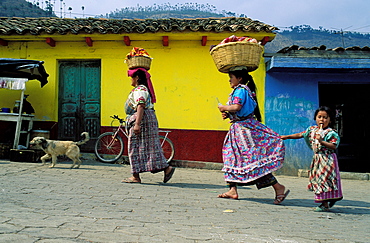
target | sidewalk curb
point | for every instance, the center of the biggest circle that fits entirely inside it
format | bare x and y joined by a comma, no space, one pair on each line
197,164
175,163
343,175
219,166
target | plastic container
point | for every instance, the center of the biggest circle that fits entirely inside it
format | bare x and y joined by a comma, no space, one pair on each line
5,110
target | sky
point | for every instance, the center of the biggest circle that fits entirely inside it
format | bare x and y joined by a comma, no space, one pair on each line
346,15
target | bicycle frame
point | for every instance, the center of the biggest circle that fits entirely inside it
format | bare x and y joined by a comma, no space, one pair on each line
165,136
122,128
110,146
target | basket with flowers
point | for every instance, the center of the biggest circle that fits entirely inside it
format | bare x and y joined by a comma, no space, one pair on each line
138,58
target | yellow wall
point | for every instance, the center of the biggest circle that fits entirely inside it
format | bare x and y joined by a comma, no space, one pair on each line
184,76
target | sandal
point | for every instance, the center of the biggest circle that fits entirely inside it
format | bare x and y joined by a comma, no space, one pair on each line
280,198
321,208
331,204
168,176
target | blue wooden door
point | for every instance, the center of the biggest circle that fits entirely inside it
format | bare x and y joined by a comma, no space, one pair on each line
79,100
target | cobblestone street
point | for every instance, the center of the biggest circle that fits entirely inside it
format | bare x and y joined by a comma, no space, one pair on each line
90,204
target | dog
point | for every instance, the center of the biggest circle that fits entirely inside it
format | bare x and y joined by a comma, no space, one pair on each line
53,148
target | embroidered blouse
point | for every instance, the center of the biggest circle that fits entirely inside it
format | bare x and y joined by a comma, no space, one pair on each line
138,95
328,135
243,96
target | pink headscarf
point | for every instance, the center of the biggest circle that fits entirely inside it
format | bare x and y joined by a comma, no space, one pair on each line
131,72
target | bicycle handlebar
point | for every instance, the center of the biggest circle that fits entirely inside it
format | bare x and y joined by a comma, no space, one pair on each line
119,119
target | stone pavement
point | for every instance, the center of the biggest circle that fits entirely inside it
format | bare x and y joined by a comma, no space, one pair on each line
90,204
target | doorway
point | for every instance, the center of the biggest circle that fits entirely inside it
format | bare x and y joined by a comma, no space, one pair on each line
351,103
79,100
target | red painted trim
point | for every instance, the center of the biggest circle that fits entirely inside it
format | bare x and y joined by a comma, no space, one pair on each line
3,42
89,41
265,40
165,41
50,41
192,145
204,40
127,40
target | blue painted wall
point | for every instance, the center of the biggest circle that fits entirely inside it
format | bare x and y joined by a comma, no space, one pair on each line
290,102
291,99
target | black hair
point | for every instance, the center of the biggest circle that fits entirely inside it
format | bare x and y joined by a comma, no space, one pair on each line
142,80
142,77
328,111
248,80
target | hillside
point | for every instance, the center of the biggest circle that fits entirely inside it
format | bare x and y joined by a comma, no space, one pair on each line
22,8
305,36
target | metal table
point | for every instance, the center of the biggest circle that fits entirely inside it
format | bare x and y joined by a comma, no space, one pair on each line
15,117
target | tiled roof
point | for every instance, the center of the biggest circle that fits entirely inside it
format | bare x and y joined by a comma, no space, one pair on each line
37,26
293,48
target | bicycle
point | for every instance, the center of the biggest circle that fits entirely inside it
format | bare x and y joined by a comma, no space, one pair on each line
109,146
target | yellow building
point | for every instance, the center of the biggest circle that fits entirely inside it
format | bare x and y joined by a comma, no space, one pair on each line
88,77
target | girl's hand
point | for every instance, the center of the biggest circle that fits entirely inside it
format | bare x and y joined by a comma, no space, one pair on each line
329,145
137,129
291,136
284,137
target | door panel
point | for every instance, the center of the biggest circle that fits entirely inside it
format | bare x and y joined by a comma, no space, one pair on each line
90,99
69,92
79,100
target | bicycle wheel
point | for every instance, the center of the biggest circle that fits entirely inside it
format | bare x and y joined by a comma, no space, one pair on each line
108,149
167,147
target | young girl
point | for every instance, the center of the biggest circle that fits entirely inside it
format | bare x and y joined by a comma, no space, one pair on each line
324,178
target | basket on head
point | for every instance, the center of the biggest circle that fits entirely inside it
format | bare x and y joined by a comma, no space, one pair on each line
139,62
234,54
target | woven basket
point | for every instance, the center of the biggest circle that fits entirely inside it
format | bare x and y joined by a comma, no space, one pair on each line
235,54
139,62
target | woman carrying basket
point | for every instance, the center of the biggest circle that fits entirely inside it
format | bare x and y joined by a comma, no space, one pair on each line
144,148
251,151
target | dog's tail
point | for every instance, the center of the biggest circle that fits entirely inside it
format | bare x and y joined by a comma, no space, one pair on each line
86,138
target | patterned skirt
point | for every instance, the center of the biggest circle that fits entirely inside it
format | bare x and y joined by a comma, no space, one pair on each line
144,150
325,178
251,150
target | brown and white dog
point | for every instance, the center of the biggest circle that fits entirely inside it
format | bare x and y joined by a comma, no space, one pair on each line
53,148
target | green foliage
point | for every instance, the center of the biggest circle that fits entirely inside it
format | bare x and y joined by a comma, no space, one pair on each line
166,10
22,8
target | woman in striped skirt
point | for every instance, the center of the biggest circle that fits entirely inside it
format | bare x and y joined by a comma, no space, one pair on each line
251,150
144,148
324,179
